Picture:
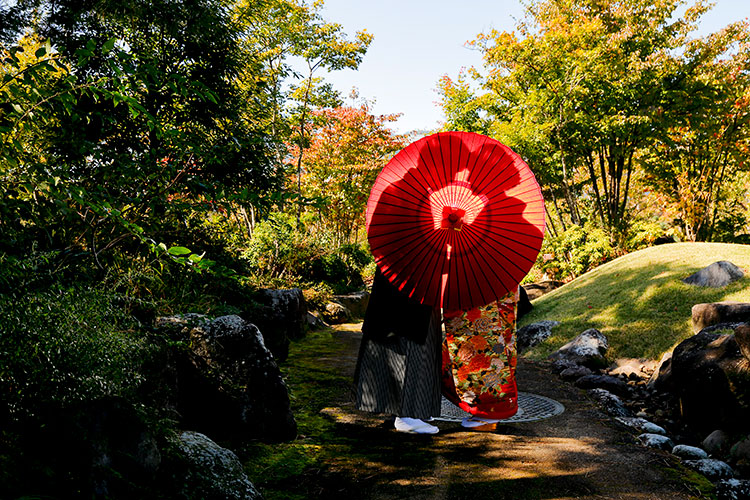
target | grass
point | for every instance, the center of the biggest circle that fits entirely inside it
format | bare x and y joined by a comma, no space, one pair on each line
639,301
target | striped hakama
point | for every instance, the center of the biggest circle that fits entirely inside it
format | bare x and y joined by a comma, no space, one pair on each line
400,376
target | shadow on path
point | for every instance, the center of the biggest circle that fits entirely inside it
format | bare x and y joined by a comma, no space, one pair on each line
579,454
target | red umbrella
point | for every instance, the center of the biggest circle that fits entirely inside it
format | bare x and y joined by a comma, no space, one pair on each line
456,220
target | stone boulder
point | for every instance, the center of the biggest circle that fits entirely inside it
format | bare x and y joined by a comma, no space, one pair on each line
534,333
689,452
356,303
741,450
575,372
225,381
717,275
610,403
742,337
633,368
642,425
719,313
716,443
663,366
536,290
336,313
657,441
282,316
587,349
211,472
711,378
713,469
733,489
611,384
314,322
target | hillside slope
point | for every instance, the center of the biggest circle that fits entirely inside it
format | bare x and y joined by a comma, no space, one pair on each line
638,300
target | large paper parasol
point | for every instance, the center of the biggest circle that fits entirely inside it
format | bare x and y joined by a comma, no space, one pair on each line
455,220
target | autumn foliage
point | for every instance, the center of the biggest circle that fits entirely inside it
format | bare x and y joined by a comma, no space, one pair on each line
348,148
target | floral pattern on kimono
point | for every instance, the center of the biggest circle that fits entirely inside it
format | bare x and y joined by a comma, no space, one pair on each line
479,358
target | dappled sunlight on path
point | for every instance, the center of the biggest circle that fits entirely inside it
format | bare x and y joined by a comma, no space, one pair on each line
578,454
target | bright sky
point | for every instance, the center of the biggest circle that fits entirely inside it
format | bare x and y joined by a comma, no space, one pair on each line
418,41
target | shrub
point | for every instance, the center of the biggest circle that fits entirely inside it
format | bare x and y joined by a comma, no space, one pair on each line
280,249
575,251
64,346
642,234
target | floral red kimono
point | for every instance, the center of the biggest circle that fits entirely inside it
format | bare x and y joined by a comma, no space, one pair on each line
479,359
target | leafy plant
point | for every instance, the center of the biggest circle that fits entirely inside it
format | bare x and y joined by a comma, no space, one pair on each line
63,346
574,251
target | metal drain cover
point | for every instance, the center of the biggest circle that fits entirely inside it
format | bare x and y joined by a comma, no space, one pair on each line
531,407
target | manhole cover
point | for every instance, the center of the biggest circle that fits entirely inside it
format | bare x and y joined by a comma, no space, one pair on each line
531,407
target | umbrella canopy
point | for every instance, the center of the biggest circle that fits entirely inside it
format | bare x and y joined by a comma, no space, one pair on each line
455,220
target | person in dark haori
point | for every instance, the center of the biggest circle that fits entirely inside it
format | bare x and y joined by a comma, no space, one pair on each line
399,364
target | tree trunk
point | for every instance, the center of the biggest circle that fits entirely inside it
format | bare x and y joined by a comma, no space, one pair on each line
559,213
551,224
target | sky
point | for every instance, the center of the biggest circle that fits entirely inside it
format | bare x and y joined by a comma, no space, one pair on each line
416,42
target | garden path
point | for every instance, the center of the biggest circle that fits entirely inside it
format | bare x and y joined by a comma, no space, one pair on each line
579,454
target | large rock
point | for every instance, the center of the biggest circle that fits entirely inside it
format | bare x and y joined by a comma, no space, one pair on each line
336,313
587,349
226,382
717,313
689,452
741,450
534,333
211,472
657,441
642,425
716,443
281,315
733,489
609,402
713,469
633,368
716,275
611,384
536,290
711,378
355,303
663,367
742,337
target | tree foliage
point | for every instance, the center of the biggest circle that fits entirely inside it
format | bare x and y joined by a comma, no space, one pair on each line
588,90
348,148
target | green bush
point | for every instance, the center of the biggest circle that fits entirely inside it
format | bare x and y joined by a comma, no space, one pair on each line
575,251
64,346
282,249
642,234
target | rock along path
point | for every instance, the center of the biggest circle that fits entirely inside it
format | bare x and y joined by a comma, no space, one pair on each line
579,454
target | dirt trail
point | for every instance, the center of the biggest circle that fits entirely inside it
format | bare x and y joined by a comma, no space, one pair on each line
579,454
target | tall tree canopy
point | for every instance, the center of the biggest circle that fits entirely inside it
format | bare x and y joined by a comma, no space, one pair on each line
349,146
583,89
123,120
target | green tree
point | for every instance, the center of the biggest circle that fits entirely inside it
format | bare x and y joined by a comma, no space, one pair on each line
279,30
699,159
148,130
583,88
